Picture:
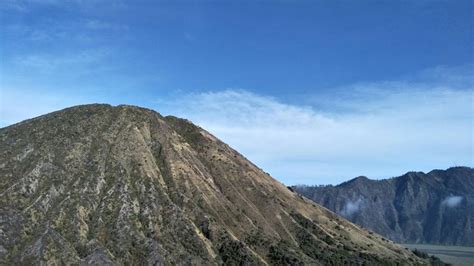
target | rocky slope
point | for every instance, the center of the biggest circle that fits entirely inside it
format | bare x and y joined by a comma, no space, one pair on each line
435,208
97,184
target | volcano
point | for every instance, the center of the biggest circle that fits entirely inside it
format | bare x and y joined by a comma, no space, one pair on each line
101,184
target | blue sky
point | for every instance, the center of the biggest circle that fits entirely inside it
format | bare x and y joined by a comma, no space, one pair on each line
313,92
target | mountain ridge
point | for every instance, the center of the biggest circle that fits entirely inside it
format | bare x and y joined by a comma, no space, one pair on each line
417,207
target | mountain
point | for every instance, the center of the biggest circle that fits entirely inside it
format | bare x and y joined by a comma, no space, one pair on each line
98,184
434,208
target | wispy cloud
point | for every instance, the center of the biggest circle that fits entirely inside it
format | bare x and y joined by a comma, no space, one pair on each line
352,207
28,5
12,5
452,201
78,31
413,127
50,62
386,95
95,24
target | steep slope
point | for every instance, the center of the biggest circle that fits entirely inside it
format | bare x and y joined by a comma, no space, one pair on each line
436,208
124,185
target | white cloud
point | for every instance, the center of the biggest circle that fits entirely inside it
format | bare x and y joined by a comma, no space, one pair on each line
415,127
351,207
452,201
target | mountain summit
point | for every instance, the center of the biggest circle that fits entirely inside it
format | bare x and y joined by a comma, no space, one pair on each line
97,184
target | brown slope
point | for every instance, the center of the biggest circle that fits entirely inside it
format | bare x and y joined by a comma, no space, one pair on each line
102,184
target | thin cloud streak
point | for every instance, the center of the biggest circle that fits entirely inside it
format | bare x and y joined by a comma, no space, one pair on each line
28,5
48,63
95,24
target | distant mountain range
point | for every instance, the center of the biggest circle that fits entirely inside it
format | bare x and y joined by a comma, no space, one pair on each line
104,185
435,208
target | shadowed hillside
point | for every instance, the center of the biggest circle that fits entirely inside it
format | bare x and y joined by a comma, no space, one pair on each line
436,208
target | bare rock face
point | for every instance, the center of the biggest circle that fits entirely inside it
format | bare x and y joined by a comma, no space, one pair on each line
433,208
105,185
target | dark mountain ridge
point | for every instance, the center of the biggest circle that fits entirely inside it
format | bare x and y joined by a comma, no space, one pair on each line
104,185
435,208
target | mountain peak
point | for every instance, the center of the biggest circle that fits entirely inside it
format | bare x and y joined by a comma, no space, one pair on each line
356,180
361,179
